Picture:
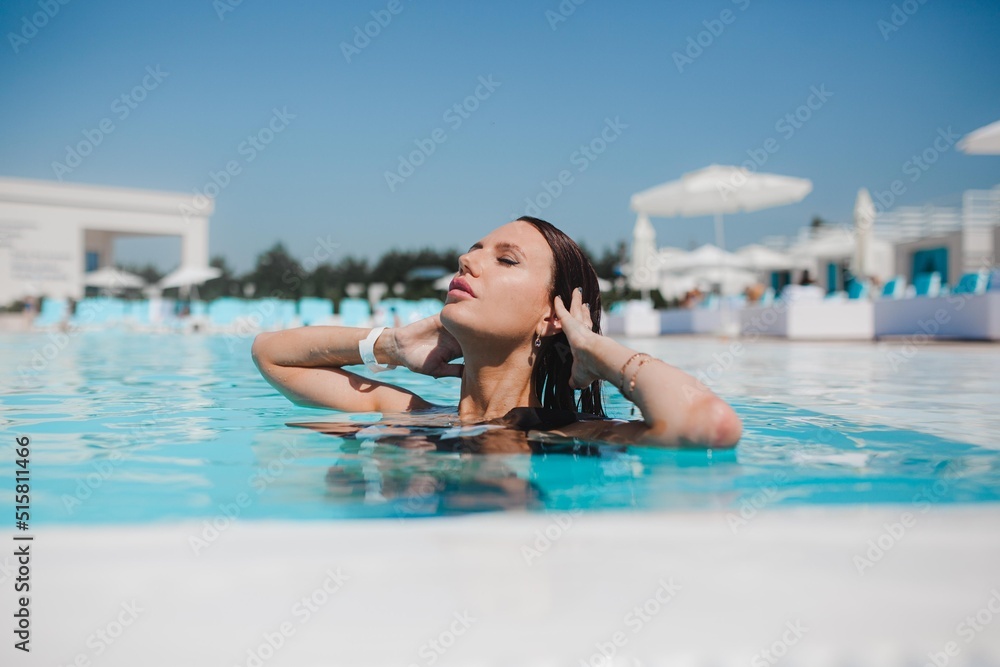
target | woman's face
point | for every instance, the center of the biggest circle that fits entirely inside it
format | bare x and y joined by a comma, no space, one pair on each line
510,274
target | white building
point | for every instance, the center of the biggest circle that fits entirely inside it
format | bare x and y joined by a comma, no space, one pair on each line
52,233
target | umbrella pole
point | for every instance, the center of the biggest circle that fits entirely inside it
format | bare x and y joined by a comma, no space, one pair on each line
720,239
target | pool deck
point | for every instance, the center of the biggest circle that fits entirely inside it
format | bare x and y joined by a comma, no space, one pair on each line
828,586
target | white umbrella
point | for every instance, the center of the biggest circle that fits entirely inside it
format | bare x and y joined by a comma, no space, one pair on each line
111,278
984,141
644,264
762,258
717,190
706,256
186,276
864,220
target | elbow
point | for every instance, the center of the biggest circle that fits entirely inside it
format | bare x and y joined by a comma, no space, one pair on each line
716,425
728,427
258,350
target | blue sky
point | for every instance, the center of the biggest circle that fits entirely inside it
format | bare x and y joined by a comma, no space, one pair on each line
553,87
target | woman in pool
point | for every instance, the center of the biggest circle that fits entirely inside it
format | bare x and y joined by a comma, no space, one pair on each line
524,312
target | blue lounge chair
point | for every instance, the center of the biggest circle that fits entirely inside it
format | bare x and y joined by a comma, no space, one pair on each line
857,289
355,313
895,288
972,283
52,312
927,284
314,310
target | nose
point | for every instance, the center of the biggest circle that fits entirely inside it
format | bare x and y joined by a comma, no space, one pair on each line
465,264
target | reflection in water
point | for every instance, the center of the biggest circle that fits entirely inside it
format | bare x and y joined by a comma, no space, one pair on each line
428,463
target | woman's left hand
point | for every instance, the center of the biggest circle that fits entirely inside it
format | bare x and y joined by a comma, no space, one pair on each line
578,327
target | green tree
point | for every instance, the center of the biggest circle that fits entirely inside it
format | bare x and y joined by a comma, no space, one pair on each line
277,274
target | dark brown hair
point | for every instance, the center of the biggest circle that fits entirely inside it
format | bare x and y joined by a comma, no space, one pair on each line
554,359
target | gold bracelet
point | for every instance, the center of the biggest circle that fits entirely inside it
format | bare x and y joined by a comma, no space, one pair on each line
621,384
631,384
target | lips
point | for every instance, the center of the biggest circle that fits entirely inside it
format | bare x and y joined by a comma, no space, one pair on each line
460,284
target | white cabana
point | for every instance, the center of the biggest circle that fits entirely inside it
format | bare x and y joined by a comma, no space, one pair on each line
730,280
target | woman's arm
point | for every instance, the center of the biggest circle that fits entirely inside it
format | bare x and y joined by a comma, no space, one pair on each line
305,363
677,409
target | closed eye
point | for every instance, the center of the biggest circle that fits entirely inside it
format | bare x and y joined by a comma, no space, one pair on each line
508,261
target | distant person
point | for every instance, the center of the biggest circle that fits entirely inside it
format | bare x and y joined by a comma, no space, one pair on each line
30,310
754,293
396,322
524,312
806,279
70,312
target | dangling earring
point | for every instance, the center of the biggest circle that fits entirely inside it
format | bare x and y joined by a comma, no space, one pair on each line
538,341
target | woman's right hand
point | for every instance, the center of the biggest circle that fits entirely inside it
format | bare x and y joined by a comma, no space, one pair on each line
426,347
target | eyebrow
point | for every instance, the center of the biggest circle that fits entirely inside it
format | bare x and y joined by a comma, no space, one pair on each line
502,245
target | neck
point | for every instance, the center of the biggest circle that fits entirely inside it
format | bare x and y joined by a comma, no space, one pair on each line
493,384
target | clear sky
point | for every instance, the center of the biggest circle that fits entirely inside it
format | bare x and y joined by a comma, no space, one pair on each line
672,86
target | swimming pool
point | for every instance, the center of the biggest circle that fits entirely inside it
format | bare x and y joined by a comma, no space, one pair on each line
142,428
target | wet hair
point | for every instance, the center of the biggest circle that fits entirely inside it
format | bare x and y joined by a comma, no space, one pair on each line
554,359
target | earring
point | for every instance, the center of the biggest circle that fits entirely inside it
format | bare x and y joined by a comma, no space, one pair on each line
538,341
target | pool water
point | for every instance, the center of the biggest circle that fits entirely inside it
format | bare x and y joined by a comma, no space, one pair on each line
137,427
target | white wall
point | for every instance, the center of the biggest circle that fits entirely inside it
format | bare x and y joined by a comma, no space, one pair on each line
46,228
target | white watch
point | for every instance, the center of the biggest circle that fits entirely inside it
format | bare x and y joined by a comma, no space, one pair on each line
367,349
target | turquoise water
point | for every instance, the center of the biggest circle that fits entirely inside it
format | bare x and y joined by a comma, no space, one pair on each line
142,427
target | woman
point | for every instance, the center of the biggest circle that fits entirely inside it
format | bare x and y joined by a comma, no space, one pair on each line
524,312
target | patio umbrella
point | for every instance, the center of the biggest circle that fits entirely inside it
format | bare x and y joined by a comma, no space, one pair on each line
705,256
984,141
864,220
762,258
717,190
112,279
187,276
644,267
